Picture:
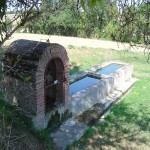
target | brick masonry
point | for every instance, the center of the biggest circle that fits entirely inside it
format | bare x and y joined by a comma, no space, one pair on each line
54,51
30,96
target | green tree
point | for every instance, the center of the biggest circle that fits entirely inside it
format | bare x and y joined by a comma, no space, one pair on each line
98,16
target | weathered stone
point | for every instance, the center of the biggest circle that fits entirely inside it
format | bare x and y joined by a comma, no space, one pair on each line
83,100
68,132
94,113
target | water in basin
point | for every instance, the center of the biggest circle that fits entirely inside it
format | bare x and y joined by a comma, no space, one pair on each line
109,69
82,84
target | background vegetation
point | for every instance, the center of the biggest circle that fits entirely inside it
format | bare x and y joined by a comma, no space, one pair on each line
109,22
125,21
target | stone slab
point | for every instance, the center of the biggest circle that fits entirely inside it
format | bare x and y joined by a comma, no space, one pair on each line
90,116
68,132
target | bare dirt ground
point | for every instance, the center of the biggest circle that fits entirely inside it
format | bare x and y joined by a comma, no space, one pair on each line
74,41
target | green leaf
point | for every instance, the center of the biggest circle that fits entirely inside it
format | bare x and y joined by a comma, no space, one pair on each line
93,3
82,4
101,3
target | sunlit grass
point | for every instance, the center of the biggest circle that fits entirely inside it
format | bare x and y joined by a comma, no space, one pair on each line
87,57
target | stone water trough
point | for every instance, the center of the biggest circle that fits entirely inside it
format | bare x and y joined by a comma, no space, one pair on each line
37,81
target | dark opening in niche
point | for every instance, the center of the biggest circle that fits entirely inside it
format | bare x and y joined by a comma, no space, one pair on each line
54,78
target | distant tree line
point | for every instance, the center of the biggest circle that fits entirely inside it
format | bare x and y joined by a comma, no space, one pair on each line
115,20
125,21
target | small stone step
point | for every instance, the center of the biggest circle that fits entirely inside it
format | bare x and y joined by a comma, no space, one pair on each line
68,132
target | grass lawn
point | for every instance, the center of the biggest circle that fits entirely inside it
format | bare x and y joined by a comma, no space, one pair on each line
126,127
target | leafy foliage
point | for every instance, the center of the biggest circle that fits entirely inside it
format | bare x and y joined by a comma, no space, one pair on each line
23,10
125,21
2,8
114,21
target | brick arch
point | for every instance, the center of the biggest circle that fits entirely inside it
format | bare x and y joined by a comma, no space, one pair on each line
53,51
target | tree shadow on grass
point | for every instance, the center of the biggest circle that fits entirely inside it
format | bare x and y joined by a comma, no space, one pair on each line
124,128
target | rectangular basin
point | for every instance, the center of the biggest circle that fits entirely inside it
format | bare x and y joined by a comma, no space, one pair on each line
109,69
82,84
